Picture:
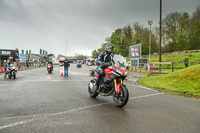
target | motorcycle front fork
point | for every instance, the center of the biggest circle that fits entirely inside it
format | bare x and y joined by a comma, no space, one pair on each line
117,85
115,82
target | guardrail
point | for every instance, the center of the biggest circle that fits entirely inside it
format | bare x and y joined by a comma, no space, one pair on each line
24,66
31,65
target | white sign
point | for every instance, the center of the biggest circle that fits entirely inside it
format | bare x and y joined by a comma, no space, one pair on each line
5,52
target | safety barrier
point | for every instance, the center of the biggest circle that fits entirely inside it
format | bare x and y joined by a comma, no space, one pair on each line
2,70
24,66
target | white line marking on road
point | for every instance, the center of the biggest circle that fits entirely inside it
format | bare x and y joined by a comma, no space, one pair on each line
50,81
78,109
17,123
61,113
143,87
155,94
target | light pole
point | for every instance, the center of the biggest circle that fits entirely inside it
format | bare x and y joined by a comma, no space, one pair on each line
150,22
160,59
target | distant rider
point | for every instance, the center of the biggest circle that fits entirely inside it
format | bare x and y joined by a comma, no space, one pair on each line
10,61
50,62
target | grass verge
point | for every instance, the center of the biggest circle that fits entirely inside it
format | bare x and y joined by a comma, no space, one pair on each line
183,82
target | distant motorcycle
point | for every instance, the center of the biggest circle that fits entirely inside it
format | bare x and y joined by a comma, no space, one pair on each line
78,65
112,82
49,68
12,71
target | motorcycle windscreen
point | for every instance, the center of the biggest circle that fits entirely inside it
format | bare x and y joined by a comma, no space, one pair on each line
120,61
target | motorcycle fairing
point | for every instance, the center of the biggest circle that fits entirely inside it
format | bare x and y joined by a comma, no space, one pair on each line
109,69
122,70
110,76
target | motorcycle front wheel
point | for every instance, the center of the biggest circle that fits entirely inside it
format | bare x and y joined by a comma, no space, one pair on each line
121,99
14,75
9,75
91,89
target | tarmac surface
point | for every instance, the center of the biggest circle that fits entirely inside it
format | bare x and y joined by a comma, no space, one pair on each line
38,102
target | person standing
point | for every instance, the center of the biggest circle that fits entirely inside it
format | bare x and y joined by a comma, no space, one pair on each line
186,62
66,66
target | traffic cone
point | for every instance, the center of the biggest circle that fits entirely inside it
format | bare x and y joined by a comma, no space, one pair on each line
61,71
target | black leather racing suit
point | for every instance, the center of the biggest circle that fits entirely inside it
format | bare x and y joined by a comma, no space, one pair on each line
104,60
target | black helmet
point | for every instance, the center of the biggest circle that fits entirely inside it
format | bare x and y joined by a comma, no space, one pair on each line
109,46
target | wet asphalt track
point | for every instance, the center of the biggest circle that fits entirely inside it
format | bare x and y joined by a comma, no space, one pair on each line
40,102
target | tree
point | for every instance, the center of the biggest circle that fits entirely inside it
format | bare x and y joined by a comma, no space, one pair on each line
95,54
171,24
116,40
180,32
195,30
142,36
183,33
80,57
126,40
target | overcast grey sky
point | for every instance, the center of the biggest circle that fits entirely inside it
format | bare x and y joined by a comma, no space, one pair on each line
49,24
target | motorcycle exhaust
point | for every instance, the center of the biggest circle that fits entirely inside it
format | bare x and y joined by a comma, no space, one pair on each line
107,94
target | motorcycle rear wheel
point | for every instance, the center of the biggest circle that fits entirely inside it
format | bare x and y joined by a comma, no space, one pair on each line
121,99
91,89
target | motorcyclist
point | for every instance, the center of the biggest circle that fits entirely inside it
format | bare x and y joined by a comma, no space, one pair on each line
10,61
104,60
50,62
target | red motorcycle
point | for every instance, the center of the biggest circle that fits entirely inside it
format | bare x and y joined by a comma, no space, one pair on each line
49,68
112,83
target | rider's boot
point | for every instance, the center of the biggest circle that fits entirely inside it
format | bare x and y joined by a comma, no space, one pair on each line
100,76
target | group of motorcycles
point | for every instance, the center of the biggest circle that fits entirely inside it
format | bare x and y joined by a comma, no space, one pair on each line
110,85
50,67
